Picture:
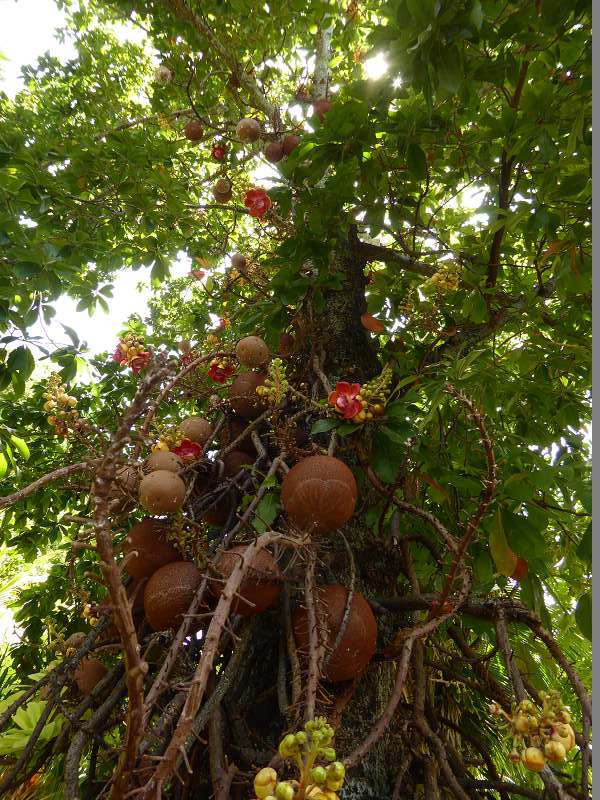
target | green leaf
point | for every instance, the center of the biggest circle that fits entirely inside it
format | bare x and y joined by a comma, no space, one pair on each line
584,548
386,457
505,559
583,615
323,425
266,512
21,447
3,465
416,161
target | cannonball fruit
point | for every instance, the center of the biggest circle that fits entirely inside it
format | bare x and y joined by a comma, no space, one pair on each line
274,152
163,459
319,493
168,594
235,460
222,190
290,143
89,673
194,130
321,107
148,540
230,432
242,394
252,351
162,492
358,643
238,261
248,130
260,586
197,429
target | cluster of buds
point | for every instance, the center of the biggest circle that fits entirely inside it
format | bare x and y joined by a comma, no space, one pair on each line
162,75
362,403
171,439
60,406
220,369
539,735
446,279
276,385
186,541
317,782
131,352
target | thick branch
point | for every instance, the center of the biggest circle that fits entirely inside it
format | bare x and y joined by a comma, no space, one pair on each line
62,472
376,252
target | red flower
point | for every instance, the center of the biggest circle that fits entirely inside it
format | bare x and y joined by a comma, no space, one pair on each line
258,202
187,358
118,355
139,362
220,372
188,450
218,152
198,274
344,399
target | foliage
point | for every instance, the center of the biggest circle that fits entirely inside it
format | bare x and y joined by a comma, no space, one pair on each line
460,182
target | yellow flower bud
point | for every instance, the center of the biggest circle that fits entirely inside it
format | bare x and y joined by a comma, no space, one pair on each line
265,782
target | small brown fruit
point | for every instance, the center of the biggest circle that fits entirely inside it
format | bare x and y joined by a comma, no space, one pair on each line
248,130
260,587
222,190
286,345
149,540
290,143
319,493
168,594
235,460
274,152
321,107
359,641
194,130
242,394
89,673
252,351
239,262
162,492
163,459
197,429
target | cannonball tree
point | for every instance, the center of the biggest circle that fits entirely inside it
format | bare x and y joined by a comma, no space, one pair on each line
361,419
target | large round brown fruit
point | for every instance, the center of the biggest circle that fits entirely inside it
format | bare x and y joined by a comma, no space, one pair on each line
274,152
319,493
260,586
222,190
168,594
194,130
252,351
163,459
248,130
231,431
235,460
149,540
242,394
358,643
197,429
238,261
162,492
321,107
88,674
219,513
290,143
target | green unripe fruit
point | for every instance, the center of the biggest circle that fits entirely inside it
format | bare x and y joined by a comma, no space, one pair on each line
318,775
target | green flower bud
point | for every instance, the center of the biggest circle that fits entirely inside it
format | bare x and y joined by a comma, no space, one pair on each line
328,753
284,791
318,775
288,746
336,770
300,738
